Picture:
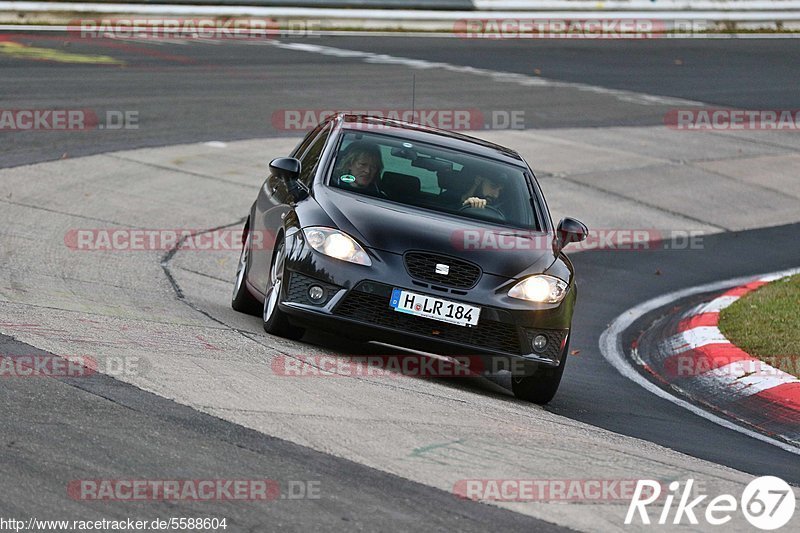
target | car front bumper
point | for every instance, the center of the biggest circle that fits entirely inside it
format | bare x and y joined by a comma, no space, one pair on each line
356,301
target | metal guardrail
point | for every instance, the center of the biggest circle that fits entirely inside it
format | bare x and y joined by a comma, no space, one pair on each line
430,9
461,5
490,5
636,5
429,15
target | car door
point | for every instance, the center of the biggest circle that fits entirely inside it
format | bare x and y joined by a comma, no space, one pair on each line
274,202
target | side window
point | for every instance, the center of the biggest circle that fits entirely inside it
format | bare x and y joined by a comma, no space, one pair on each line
310,159
305,141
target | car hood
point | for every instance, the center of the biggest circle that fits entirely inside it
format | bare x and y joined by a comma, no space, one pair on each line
395,228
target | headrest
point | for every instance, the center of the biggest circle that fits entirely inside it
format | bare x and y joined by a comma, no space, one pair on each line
394,183
450,179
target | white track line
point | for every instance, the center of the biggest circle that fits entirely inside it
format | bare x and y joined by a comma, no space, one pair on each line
614,353
497,76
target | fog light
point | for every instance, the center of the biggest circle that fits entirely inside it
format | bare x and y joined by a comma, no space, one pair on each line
316,293
539,343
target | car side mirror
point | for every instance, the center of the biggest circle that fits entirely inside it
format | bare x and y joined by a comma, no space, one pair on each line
569,231
285,168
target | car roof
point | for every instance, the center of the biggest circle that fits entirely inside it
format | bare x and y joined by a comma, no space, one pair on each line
422,133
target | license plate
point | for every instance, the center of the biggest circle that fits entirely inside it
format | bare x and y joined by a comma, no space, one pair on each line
434,308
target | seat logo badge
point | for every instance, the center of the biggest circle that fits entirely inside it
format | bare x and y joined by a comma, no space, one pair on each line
442,269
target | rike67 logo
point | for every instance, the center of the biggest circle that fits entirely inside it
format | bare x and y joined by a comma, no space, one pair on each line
767,503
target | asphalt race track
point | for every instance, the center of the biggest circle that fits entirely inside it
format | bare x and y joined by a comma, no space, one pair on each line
208,91
386,452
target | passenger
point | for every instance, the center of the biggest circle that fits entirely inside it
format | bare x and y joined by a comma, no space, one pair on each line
358,168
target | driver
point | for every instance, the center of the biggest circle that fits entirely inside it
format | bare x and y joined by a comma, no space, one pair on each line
359,166
485,190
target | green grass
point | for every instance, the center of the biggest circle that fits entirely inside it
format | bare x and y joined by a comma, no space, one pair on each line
766,324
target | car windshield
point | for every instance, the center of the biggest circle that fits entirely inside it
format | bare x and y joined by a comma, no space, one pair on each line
433,177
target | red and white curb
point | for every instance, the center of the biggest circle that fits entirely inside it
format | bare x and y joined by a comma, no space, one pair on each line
727,374
691,363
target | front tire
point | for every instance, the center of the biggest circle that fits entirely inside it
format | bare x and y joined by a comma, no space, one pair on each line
541,386
241,299
275,321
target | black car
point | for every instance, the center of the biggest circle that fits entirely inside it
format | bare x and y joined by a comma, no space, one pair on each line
415,237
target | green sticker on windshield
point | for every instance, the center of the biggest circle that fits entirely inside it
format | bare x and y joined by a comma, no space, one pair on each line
348,178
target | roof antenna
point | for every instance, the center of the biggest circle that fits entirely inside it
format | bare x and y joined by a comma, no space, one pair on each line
413,95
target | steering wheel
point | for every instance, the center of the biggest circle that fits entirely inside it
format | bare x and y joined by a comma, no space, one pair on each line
483,210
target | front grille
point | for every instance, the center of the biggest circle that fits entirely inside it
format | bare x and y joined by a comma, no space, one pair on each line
461,275
374,309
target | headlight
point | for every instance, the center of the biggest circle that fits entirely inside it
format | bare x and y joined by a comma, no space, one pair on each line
540,288
335,243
